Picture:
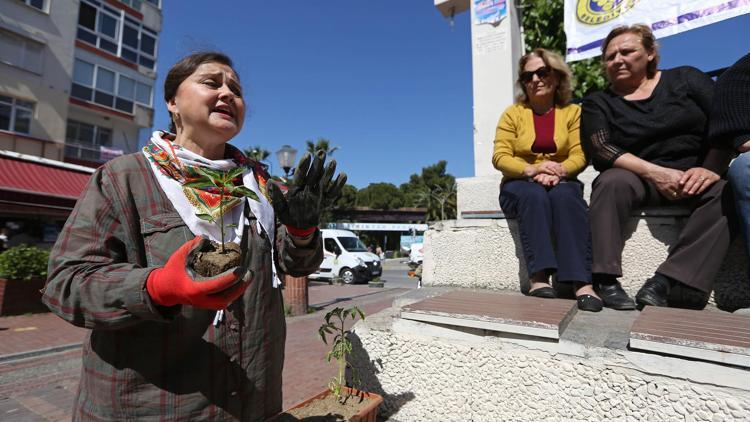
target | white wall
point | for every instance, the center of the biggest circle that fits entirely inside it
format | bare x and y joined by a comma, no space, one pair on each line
494,55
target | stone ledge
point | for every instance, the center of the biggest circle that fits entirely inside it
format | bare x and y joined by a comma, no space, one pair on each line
674,212
486,253
436,372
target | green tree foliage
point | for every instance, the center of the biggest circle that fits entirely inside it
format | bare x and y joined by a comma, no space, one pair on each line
348,198
346,201
542,22
434,189
321,144
257,153
382,196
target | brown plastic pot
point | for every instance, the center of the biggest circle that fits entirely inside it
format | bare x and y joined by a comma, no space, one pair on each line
368,413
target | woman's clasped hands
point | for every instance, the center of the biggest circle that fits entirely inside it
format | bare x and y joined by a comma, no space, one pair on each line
546,173
676,184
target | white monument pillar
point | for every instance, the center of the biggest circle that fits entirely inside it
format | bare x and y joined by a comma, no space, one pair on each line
495,50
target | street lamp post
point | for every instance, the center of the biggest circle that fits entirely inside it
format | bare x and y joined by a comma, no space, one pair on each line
286,156
295,288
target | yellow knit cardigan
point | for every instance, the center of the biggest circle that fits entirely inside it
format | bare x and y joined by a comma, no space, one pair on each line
515,135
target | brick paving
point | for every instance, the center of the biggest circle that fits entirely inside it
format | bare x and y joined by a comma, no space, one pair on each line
24,333
40,365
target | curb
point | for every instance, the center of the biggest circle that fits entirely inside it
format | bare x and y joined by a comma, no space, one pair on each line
38,352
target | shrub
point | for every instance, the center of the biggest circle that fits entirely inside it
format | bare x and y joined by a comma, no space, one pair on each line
24,262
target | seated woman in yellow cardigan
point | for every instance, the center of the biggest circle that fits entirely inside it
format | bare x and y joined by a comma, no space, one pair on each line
538,150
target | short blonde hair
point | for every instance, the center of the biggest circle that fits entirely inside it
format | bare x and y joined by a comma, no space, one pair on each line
556,63
648,40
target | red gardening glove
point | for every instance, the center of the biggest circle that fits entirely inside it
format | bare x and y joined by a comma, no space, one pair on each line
176,284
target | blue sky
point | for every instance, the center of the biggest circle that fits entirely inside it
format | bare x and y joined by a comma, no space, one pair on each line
387,81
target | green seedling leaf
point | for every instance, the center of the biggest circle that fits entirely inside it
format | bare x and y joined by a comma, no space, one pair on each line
341,346
198,183
245,192
236,172
206,217
215,176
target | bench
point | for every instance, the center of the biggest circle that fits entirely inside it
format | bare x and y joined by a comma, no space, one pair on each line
486,253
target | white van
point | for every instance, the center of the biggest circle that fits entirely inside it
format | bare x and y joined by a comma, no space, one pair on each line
346,256
416,254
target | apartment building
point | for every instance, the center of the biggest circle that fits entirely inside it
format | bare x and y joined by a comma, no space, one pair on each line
76,89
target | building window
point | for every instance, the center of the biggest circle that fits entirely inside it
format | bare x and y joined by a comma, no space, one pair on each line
105,87
36,4
143,94
86,142
156,3
88,135
100,25
134,4
15,115
20,52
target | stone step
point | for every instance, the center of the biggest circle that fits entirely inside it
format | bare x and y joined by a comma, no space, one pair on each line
435,371
706,335
505,313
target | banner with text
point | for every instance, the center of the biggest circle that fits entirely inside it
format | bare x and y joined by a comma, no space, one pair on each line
587,22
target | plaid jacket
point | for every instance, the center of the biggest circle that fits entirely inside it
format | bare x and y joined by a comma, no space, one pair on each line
145,362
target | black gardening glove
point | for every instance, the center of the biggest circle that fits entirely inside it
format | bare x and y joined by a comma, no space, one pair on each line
311,190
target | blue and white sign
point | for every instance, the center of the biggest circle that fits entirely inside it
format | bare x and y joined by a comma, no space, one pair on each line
489,11
379,227
407,241
587,22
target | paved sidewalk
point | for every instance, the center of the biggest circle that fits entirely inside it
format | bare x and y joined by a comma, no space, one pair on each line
40,354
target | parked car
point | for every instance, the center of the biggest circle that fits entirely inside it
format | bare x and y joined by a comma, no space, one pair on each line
416,254
344,255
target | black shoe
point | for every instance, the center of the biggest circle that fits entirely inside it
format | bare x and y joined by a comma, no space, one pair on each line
654,292
687,297
614,296
544,292
589,303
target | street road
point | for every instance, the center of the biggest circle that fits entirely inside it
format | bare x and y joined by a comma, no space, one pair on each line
395,274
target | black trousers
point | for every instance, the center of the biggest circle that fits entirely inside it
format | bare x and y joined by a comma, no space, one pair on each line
700,248
545,214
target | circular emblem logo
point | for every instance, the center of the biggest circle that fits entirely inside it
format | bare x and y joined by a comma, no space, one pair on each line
596,12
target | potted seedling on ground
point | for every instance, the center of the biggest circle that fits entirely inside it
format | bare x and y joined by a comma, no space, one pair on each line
219,257
338,402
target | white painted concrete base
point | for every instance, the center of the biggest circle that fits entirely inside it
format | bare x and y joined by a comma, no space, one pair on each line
429,372
478,193
486,253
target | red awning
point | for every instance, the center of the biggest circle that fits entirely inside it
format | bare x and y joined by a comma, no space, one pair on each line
17,175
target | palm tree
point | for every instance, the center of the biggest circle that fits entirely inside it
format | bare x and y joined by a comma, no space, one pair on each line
257,153
321,144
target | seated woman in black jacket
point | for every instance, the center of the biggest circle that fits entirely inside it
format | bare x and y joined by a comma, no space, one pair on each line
646,134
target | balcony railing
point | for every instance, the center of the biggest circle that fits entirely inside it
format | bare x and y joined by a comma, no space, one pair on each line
93,153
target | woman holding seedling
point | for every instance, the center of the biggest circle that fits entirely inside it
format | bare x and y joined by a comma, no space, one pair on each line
166,342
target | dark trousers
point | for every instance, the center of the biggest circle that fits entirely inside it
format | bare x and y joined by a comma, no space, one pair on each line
546,213
694,259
